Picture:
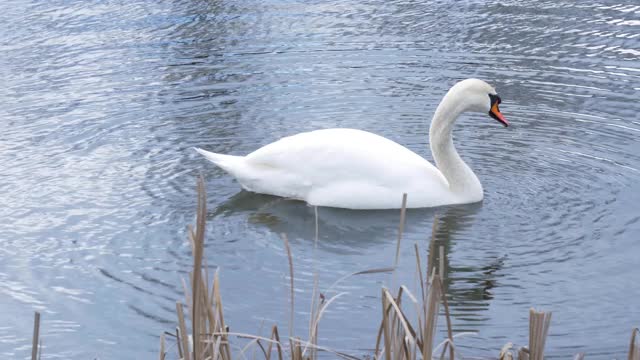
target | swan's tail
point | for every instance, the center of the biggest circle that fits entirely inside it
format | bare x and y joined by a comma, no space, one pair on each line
228,163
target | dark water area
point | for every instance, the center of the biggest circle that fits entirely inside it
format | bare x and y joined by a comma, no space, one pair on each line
101,103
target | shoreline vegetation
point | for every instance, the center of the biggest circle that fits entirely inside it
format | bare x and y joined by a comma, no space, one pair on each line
399,337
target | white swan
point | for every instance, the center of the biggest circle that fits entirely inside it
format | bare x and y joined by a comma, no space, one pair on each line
356,169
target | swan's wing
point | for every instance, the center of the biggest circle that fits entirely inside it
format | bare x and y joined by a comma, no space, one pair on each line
324,157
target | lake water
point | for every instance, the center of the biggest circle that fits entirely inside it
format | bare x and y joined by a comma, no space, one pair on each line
101,102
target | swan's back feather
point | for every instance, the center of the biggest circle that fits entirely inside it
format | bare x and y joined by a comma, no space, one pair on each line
340,168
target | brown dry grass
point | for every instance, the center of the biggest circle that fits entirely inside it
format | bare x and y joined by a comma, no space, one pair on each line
399,338
634,345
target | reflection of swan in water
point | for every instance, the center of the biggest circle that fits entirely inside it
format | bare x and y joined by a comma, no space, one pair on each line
346,229
468,288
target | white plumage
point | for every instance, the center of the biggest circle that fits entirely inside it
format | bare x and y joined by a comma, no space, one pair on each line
356,169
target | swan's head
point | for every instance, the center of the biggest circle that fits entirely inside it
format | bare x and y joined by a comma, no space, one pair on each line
481,97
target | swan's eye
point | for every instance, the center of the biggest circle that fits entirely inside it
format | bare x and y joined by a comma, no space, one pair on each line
494,99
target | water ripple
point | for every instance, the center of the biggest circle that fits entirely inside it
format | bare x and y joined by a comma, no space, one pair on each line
102,104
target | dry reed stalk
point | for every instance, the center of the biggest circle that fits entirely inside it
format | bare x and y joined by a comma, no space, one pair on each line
446,307
505,352
290,258
219,319
203,315
419,270
396,343
313,315
36,335
396,335
539,322
179,343
315,308
634,348
449,326
162,347
255,339
296,349
386,331
318,309
395,332
206,326
216,348
328,350
275,336
523,353
182,335
431,309
363,272
314,327
196,285
400,340
432,244
403,215
187,294
408,331
206,309
441,262
434,296
423,284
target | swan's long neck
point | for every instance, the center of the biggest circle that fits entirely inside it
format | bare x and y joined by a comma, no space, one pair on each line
462,180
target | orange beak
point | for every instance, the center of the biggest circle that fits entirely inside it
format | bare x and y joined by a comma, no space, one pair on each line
496,114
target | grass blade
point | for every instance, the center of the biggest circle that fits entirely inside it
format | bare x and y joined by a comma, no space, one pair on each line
403,321
432,244
433,303
634,349
290,258
162,347
198,244
386,331
36,336
403,215
539,322
505,353
446,306
319,316
184,338
363,272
